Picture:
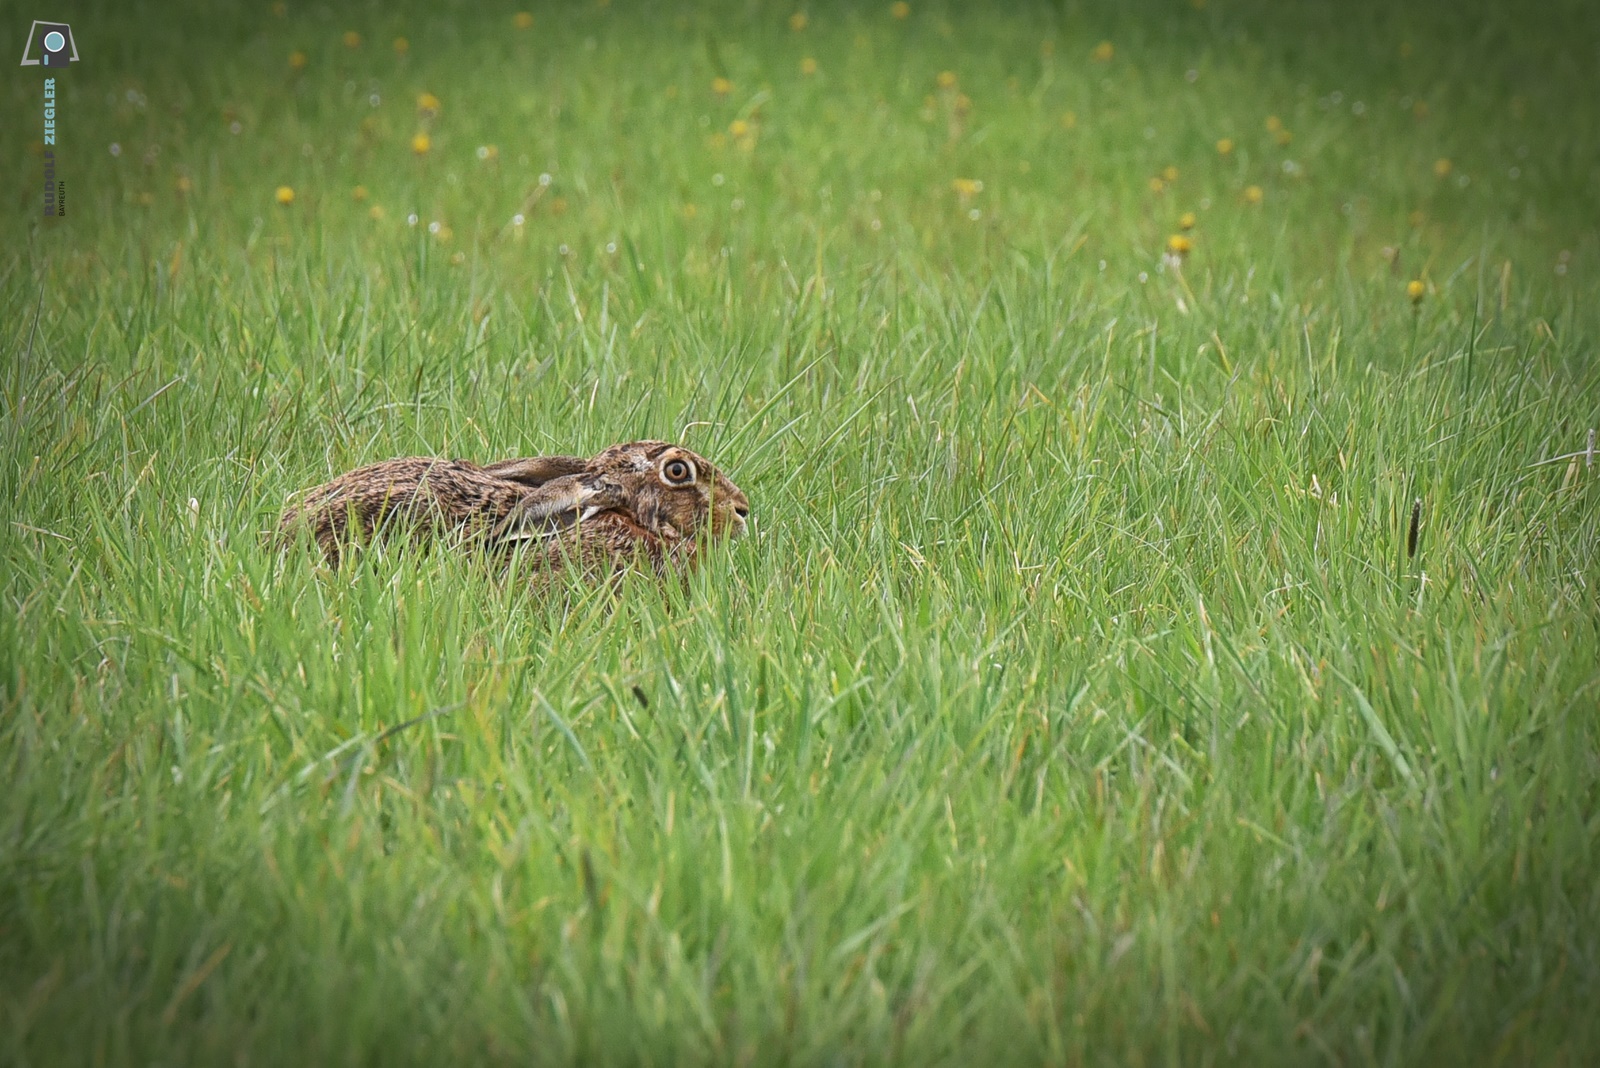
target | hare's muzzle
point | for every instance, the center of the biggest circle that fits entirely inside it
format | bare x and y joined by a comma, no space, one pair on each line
734,516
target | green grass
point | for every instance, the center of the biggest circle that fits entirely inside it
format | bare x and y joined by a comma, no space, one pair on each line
1076,699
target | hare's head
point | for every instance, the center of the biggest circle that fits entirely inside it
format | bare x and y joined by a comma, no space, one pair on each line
670,491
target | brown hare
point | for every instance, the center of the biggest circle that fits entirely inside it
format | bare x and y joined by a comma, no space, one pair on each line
645,501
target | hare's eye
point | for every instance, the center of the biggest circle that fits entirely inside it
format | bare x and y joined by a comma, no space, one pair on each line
678,472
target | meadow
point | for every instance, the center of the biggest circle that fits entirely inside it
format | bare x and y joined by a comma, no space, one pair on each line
1169,632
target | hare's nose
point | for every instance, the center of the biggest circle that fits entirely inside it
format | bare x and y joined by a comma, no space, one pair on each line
743,510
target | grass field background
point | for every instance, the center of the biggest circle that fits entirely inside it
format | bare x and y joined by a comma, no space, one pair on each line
1078,697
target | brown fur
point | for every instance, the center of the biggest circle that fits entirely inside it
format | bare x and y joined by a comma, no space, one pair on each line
645,501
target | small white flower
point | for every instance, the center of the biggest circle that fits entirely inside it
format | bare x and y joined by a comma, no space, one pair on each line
433,227
116,149
717,179
374,100
545,179
411,220
233,127
517,219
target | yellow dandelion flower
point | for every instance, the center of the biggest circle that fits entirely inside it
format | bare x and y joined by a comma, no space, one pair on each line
352,39
375,212
444,233
1186,221
738,128
797,21
146,199
1069,120
1283,137
458,258
297,61
690,211
420,143
962,104
718,140
900,9
1225,146
183,184
946,79
427,104
359,193
1103,52
1274,124
284,195
1169,173
1253,194
522,20
1441,168
558,206
966,188
808,66
401,46
1157,185
1415,290
1416,219
721,86
1179,245
488,153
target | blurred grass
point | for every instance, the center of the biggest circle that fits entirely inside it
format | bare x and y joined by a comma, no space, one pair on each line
1076,699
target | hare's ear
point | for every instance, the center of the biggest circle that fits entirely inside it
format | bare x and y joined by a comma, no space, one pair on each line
536,470
554,507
